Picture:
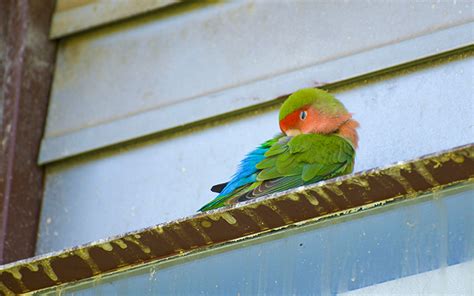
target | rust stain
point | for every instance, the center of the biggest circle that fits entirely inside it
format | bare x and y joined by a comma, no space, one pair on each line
337,197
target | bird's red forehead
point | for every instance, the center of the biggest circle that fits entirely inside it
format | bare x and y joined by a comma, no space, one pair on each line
291,120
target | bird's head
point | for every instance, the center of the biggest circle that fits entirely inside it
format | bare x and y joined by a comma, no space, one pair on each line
312,110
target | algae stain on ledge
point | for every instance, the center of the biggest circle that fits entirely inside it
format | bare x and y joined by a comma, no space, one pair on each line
311,199
229,218
120,243
294,197
107,247
16,274
145,249
226,216
206,224
49,270
84,254
421,168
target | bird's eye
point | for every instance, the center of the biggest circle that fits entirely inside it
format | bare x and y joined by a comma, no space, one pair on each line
303,115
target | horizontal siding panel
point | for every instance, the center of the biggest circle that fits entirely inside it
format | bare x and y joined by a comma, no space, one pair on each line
261,92
72,16
152,74
404,114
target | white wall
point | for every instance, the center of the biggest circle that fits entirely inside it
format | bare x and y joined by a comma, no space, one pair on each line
199,59
451,280
107,79
415,112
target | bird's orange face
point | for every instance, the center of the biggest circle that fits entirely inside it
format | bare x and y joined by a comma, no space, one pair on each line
300,121
307,119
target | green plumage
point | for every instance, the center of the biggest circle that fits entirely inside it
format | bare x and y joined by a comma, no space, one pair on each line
292,162
286,162
311,157
318,98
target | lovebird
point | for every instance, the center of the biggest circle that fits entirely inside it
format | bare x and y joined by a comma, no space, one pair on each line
318,140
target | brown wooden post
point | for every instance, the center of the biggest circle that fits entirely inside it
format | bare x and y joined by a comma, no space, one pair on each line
26,68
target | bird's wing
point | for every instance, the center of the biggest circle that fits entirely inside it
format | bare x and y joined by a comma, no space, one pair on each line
305,159
246,174
292,162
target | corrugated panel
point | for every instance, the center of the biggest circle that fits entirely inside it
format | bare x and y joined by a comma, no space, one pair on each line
72,16
154,73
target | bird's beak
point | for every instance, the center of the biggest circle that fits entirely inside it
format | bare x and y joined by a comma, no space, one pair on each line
292,132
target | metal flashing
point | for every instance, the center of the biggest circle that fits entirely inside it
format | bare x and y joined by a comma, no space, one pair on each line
294,208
